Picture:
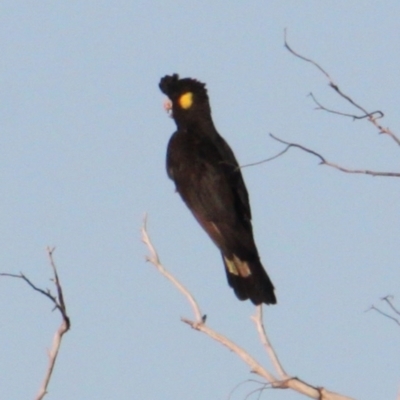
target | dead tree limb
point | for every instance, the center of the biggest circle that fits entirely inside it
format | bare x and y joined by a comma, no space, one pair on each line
324,161
283,381
372,117
59,304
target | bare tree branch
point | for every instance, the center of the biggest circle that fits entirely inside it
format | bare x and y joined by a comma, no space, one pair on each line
59,304
389,302
155,260
199,324
376,114
324,161
265,160
384,314
258,320
371,116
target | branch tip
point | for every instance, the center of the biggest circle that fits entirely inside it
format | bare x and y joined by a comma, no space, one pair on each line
372,118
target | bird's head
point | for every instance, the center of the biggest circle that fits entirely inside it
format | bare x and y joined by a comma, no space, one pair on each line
188,98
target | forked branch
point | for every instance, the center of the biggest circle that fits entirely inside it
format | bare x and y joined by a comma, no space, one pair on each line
393,313
372,117
59,304
324,161
283,380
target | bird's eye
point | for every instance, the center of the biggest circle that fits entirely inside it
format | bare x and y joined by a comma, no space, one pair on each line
186,100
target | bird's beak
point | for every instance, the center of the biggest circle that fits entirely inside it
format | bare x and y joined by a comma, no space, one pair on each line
168,107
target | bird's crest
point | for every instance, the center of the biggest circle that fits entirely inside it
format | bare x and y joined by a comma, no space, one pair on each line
183,89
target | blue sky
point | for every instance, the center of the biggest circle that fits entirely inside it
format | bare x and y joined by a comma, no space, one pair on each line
83,138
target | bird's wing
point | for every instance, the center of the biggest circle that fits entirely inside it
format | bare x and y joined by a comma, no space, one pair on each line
206,175
234,176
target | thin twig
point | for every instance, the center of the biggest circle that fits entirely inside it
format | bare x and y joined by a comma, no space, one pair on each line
46,292
324,161
262,384
258,390
154,259
60,297
293,383
384,314
265,160
372,117
258,320
388,301
59,304
374,114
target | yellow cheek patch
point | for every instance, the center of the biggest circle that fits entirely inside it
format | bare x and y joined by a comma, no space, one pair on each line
186,100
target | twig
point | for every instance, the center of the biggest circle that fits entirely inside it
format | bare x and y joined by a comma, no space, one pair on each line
155,260
59,304
374,114
265,160
372,117
384,314
258,390
258,320
293,383
388,300
200,325
324,161
262,384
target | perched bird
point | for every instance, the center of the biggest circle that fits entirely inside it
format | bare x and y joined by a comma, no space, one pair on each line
208,178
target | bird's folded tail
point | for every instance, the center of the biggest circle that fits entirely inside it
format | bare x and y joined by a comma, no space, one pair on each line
249,280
